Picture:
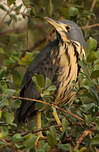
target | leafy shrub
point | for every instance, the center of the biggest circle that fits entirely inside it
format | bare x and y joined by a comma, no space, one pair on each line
80,121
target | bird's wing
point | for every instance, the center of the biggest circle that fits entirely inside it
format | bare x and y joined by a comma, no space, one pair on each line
28,89
33,67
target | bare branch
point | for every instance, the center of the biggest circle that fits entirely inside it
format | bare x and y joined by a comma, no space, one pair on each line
50,104
84,134
91,9
91,26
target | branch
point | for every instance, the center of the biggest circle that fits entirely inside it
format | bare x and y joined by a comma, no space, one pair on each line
40,129
91,10
84,134
4,17
51,105
6,143
90,26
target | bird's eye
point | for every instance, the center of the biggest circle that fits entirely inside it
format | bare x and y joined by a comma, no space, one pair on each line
67,28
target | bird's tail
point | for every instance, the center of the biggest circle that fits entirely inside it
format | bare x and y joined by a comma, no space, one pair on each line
25,112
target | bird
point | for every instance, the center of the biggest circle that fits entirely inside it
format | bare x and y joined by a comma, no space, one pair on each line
59,62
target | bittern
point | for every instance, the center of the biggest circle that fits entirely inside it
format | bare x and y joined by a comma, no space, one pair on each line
59,62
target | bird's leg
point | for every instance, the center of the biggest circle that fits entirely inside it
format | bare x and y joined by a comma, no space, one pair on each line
54,113
39,134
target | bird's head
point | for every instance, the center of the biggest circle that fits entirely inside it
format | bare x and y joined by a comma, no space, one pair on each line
61,28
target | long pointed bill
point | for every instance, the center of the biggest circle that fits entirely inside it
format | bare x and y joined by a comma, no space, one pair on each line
55,24
60,27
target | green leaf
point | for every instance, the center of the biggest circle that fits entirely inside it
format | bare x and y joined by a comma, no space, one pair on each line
34,78
2,51
91,45
2,143
73,11
84,70
51,88
47,82
8,117
91,57
65,147
16,137
97,123
0,114
29,141
95,140
3,7
45,93
96,64
83,149
19,146
3,71
97,54
52,136
16,77
9,92
88,119
64,12
89,108
64,124
40,79
95,74
94,93
3,132
15,104
26,60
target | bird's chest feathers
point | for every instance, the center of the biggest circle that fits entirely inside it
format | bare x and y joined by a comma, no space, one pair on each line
67,63
68,67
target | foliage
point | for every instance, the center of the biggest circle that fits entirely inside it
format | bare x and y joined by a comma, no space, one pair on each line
18,47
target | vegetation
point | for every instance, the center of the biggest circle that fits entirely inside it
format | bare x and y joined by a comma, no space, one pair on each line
18,47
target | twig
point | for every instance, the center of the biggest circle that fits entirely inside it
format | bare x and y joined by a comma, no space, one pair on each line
91,26
93,5
84,134
50,8
47,128
50,104
6,143
40,129
27,38
7,13
91,10
1,23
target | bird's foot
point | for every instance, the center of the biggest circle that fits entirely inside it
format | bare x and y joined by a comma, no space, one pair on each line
39,136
